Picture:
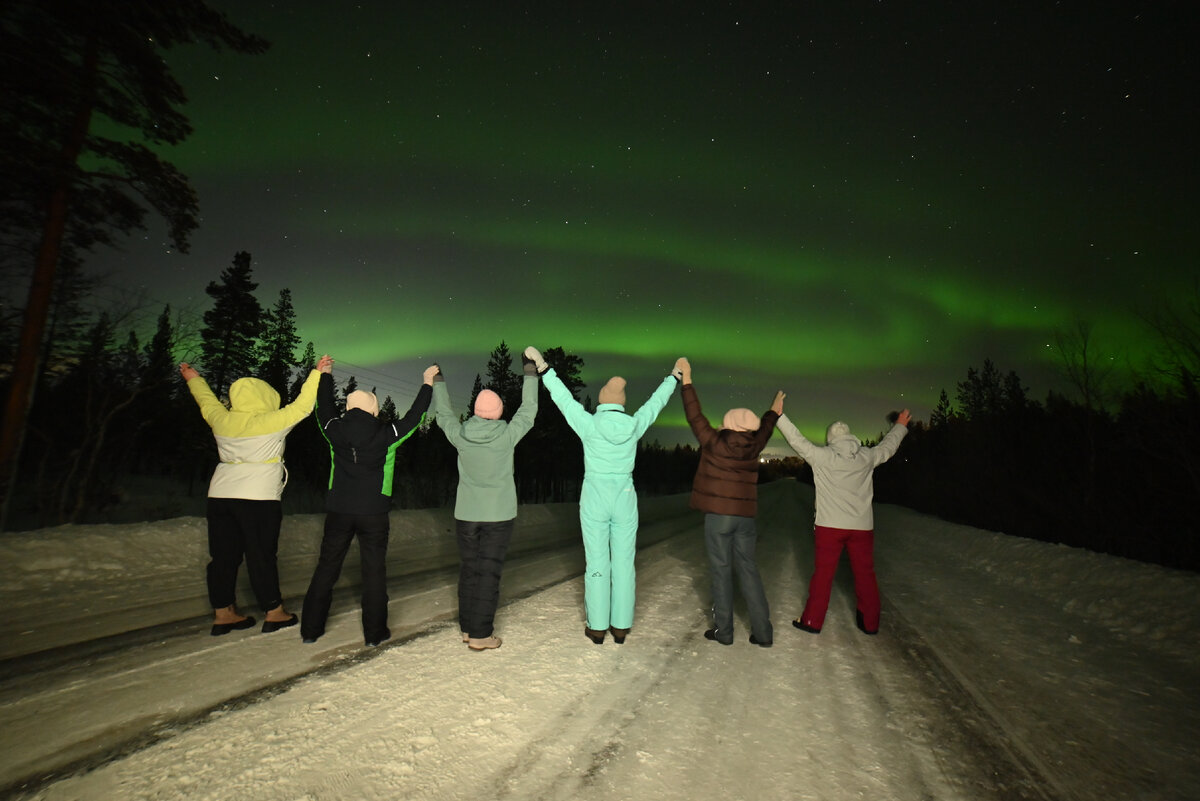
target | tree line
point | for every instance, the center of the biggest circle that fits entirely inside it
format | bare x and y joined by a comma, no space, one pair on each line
113,412
1118,477
1113,471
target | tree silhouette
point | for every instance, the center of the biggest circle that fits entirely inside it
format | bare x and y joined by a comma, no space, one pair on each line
67,188
277,348
231,326
307,361
476,388
502,380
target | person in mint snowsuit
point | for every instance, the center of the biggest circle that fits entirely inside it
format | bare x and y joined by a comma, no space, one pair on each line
843,474
608,512
485,506
362,452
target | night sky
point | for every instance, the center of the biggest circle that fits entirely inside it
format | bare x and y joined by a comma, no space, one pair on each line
852,202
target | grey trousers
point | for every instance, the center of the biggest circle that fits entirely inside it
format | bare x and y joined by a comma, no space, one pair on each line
731,541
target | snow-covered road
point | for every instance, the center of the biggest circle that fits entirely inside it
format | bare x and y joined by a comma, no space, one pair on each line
1001,673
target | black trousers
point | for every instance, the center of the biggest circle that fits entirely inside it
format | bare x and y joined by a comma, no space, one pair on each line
238,527
481,547
340,529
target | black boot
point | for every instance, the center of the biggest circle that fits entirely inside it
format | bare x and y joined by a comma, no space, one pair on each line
595,636
619,635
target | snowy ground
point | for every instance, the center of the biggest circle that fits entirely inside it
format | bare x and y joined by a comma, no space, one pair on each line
1006,669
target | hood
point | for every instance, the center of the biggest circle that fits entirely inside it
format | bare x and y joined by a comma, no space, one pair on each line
253,395
846,447
480,430
613,424
841,441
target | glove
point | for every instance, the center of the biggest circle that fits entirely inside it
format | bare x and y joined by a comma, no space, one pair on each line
682,369
534,355
528,367
431,373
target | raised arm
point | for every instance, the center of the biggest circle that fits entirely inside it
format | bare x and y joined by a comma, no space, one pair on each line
526,413
890,443
416,413
443,413
649,411
210,407
766,425
798,442
701,428
577,417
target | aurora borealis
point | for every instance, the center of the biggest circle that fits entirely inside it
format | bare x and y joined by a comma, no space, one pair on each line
851,202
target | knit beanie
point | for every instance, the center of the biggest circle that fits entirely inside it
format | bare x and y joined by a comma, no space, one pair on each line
488,405
361,399
837,431
740,420
613,391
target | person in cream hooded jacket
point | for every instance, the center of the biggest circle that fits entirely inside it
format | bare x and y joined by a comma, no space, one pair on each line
843,473
244,510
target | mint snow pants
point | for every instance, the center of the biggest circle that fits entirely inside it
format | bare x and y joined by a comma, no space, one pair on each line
608,518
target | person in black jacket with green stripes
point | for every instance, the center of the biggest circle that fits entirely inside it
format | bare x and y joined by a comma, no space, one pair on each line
363,451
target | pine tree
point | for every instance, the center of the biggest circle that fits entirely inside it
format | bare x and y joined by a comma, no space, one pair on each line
307,361
567,367
278,346
68,64
943,413
502,380
158,437
159,353
981,395
351,386
476,388
232,326
549,460
387,410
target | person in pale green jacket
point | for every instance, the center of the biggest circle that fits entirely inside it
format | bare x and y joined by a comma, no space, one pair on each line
608,512
486,504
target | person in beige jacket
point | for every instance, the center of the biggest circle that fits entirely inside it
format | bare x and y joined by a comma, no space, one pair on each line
843,473
244,510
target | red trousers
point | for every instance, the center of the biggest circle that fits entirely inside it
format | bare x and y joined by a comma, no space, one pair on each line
861,547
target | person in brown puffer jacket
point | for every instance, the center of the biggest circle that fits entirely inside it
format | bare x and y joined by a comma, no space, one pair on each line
726,490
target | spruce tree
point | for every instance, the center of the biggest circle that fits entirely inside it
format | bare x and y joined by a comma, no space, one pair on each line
943,413
476,388
502,380
307,361
231,326
387,410
158,409
279,341
351,386
159,353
